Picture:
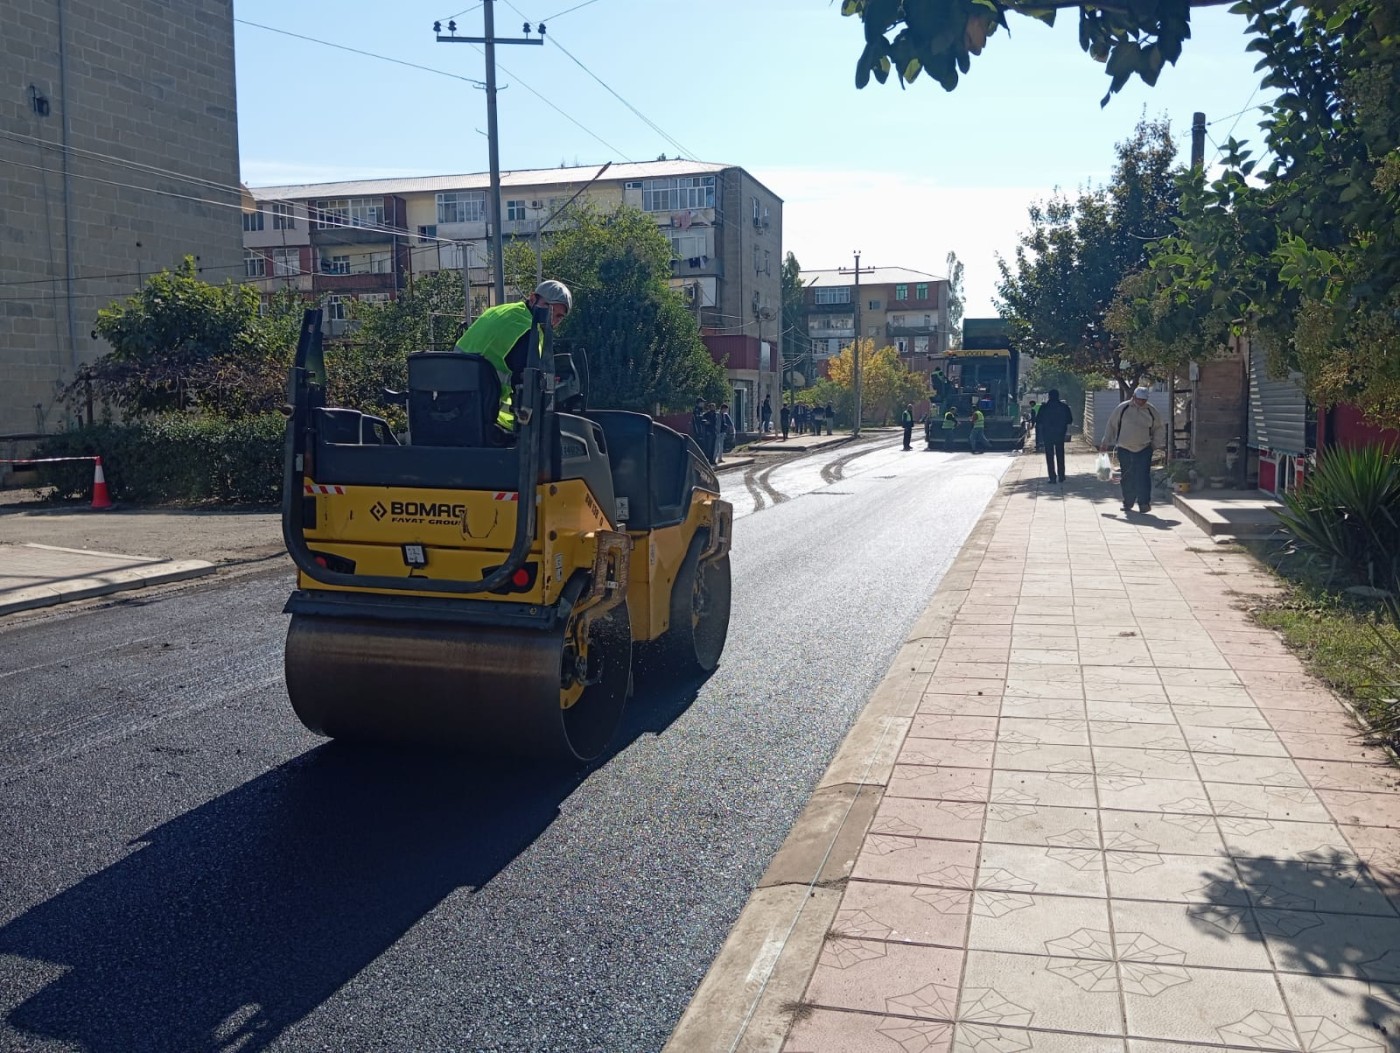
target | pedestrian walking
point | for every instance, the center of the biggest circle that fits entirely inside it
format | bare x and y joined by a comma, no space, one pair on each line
801,420
765,416
906,421
979,431
785,416
1134,430
1051,429
699,429
709,428
818,416
830,420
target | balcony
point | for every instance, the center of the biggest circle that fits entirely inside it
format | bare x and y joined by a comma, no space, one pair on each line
687,268
355,282
821,332
930,330
350,233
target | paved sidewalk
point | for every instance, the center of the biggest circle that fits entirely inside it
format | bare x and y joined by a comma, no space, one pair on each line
1116,817
41,575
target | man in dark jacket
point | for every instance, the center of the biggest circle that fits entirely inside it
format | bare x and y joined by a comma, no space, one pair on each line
1052,423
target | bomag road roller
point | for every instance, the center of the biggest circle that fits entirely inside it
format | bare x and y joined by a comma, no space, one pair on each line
485,592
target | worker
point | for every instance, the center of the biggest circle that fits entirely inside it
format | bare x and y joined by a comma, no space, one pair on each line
979,430
906,421
501,335
950,425
1035,413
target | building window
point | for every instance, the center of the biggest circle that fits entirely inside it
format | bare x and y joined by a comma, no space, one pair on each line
757,215
286,262
461,207
767,262
348,212
896,319
381,263
427,233
873,305
920,345
677,193
283,218
901,292
928,321
335,309
632,185
840,295
253,220
921,290
687,246
254,264
335,264
515,210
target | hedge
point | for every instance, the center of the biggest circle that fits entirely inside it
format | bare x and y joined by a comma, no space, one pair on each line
173,459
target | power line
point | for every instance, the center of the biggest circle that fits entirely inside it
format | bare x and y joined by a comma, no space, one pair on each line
568,11
430,69
573,58
358,51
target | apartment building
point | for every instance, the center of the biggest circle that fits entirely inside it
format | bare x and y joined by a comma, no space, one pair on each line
118,157
895,307
368,238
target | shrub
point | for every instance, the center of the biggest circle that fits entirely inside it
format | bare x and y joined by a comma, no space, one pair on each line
173,459
1348,513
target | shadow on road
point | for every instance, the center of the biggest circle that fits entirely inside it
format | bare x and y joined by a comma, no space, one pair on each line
231,922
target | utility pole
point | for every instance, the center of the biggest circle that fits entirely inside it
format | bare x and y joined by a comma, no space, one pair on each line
1198,141
464,248
493,139
855,347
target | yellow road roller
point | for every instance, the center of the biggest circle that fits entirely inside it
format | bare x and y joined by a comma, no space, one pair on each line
489,594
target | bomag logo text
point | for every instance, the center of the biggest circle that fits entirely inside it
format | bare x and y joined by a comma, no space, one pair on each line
434,513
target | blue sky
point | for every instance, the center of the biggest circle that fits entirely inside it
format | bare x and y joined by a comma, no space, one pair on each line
903,176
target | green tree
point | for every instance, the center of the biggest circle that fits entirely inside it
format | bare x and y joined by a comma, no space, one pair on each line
1069,266
795,342
939,37
643,343
886,383
427,316
1302,253
955,300
181,343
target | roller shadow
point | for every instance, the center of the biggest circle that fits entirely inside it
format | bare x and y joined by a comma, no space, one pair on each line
231,922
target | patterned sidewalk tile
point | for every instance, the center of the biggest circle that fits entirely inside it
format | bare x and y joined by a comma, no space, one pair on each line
1027,923
986,1038
904,913
916,860
880,977
1027,824
1042,868
838,1031
1204,934
939,783
1206,1006
1024,990
911,817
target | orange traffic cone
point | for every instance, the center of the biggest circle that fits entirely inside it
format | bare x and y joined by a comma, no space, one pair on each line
100,497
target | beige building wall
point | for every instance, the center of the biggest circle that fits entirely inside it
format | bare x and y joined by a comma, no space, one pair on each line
118,156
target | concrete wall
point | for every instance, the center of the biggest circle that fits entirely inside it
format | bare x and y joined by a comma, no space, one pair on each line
150,85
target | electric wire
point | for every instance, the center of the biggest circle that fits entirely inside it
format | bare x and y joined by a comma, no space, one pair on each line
639,114
368,54
455,76
570,10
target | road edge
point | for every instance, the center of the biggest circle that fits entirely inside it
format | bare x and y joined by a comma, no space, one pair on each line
747,999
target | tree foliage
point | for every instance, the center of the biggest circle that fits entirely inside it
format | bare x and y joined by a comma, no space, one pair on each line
939,37
795,342
886,383
1303,252
1068,267
955,300
643,343
181,343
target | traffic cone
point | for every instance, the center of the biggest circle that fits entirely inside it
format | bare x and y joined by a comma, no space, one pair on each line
100,498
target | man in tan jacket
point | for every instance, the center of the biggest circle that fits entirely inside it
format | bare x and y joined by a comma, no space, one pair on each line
1134,431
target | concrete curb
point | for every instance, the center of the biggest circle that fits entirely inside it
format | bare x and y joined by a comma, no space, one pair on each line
747,999
121,574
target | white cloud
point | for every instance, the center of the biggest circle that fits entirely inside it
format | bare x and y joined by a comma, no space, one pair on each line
901,220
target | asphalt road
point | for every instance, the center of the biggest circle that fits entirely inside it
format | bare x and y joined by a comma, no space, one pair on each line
183,868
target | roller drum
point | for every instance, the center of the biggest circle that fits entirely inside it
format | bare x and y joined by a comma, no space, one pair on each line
480,689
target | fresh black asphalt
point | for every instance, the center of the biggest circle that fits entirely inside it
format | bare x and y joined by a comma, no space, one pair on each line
183,868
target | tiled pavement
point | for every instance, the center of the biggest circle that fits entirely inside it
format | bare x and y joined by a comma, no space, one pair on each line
1123,818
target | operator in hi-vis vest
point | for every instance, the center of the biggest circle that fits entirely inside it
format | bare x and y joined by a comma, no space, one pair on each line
502,336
